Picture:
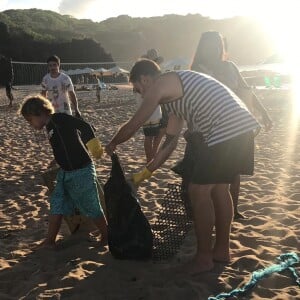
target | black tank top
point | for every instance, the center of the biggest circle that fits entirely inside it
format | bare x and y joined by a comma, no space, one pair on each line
68,136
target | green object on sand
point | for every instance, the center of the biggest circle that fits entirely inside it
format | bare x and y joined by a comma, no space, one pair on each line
267,80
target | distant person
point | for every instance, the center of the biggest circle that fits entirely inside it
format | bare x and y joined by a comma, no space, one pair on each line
211,58
82,79
7,77
151,130
152,143
76,179
59,89
98,88
222,128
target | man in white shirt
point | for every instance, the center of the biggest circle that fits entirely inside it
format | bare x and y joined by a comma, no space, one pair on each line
59,89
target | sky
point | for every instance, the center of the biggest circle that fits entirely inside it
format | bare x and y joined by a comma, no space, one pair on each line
280,19
99,10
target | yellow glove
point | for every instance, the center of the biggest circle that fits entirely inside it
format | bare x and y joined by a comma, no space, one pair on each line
141,176
95,148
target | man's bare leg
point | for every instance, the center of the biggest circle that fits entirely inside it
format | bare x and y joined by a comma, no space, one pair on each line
10,97
157,140
224,212
148,146
204,219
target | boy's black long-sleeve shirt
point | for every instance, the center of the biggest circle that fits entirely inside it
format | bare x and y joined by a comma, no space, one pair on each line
68,136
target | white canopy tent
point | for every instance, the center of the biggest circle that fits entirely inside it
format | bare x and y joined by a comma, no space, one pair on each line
79,71
117,69
101,72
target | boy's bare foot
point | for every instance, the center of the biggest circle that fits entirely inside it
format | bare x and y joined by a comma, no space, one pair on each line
46,245
95,236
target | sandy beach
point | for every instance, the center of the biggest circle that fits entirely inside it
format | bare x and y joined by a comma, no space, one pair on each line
79,269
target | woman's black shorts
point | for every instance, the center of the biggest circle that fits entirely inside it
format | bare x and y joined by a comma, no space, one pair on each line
220,163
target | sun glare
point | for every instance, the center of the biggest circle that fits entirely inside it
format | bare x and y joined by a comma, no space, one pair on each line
283,28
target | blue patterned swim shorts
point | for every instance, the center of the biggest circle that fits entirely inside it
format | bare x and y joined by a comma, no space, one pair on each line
76,189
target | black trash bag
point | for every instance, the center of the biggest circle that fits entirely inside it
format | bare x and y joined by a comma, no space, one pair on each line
129,232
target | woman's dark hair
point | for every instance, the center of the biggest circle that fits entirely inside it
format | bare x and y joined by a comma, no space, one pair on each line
210,50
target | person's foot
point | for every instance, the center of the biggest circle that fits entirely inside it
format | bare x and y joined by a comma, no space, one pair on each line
223,259
239,216
197,266
96,237
221,256
46,245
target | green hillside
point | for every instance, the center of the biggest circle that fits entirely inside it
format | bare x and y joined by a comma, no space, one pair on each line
125,38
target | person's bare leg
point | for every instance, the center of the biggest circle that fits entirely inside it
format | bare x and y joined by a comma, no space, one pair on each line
101,224
157,139
10,97
53,228
223,211
204,219
235,193
148,146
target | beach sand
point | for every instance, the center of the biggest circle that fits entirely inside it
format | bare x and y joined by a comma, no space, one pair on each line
80,269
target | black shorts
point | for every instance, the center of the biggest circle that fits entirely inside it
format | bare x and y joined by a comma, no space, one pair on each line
164,120
8,87
220,163
151,129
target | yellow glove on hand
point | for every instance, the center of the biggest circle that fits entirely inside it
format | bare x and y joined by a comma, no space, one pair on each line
141,176
95,148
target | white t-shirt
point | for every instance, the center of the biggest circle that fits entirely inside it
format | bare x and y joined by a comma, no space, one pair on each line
155,117
58,92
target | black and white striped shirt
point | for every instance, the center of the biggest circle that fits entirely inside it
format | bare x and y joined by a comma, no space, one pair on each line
211,108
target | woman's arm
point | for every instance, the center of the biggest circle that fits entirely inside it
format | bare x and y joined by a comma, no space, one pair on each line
255,105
